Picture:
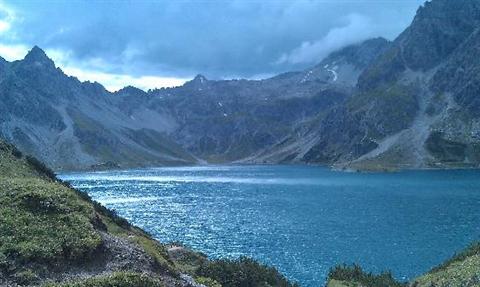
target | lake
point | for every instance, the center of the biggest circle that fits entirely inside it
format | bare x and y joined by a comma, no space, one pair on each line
301,219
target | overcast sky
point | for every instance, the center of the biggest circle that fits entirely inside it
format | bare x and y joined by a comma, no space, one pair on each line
163,43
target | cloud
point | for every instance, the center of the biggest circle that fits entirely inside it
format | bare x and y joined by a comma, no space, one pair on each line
112,81
357,28
115,82
13,52
179,39
7,16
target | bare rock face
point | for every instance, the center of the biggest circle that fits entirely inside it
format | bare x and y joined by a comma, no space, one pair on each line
439,27
460,75
434,62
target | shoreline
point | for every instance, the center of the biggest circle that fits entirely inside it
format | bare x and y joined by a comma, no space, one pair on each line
333,167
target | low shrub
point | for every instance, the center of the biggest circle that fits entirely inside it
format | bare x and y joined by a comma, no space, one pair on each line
119,279
16,152
44,222
242,272
26,277
40,167
207,282
355,273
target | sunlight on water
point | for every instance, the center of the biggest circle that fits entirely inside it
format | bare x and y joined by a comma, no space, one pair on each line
303,220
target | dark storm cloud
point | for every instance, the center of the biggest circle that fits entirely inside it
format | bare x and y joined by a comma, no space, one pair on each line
216,38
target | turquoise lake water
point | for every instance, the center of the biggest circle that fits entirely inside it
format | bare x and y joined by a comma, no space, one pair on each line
302,220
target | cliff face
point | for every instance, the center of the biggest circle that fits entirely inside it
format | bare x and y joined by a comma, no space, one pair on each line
438,29
419,98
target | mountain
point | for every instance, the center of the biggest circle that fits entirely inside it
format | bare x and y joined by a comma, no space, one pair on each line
75,125
251,121
53,235
417,102
410,103
71,125
415,105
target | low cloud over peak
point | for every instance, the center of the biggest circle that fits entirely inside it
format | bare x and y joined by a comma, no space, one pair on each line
356,29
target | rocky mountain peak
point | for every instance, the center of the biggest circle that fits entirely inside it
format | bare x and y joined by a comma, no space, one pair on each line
197,83
200,79
439,27
130,91
38,57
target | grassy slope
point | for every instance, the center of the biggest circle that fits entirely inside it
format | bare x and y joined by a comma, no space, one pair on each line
462,270
354,276
54,235
48,226
120,279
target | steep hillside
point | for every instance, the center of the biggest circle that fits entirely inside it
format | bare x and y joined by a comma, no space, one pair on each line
69,124
417,102
462,270
52,234
74,125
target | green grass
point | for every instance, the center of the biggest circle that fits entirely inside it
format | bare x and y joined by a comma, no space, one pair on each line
156,250
44,222
187,260
135,235
457,274
13,163
353,276
207,282
242,272
338,283
120,279
472,250
462,269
